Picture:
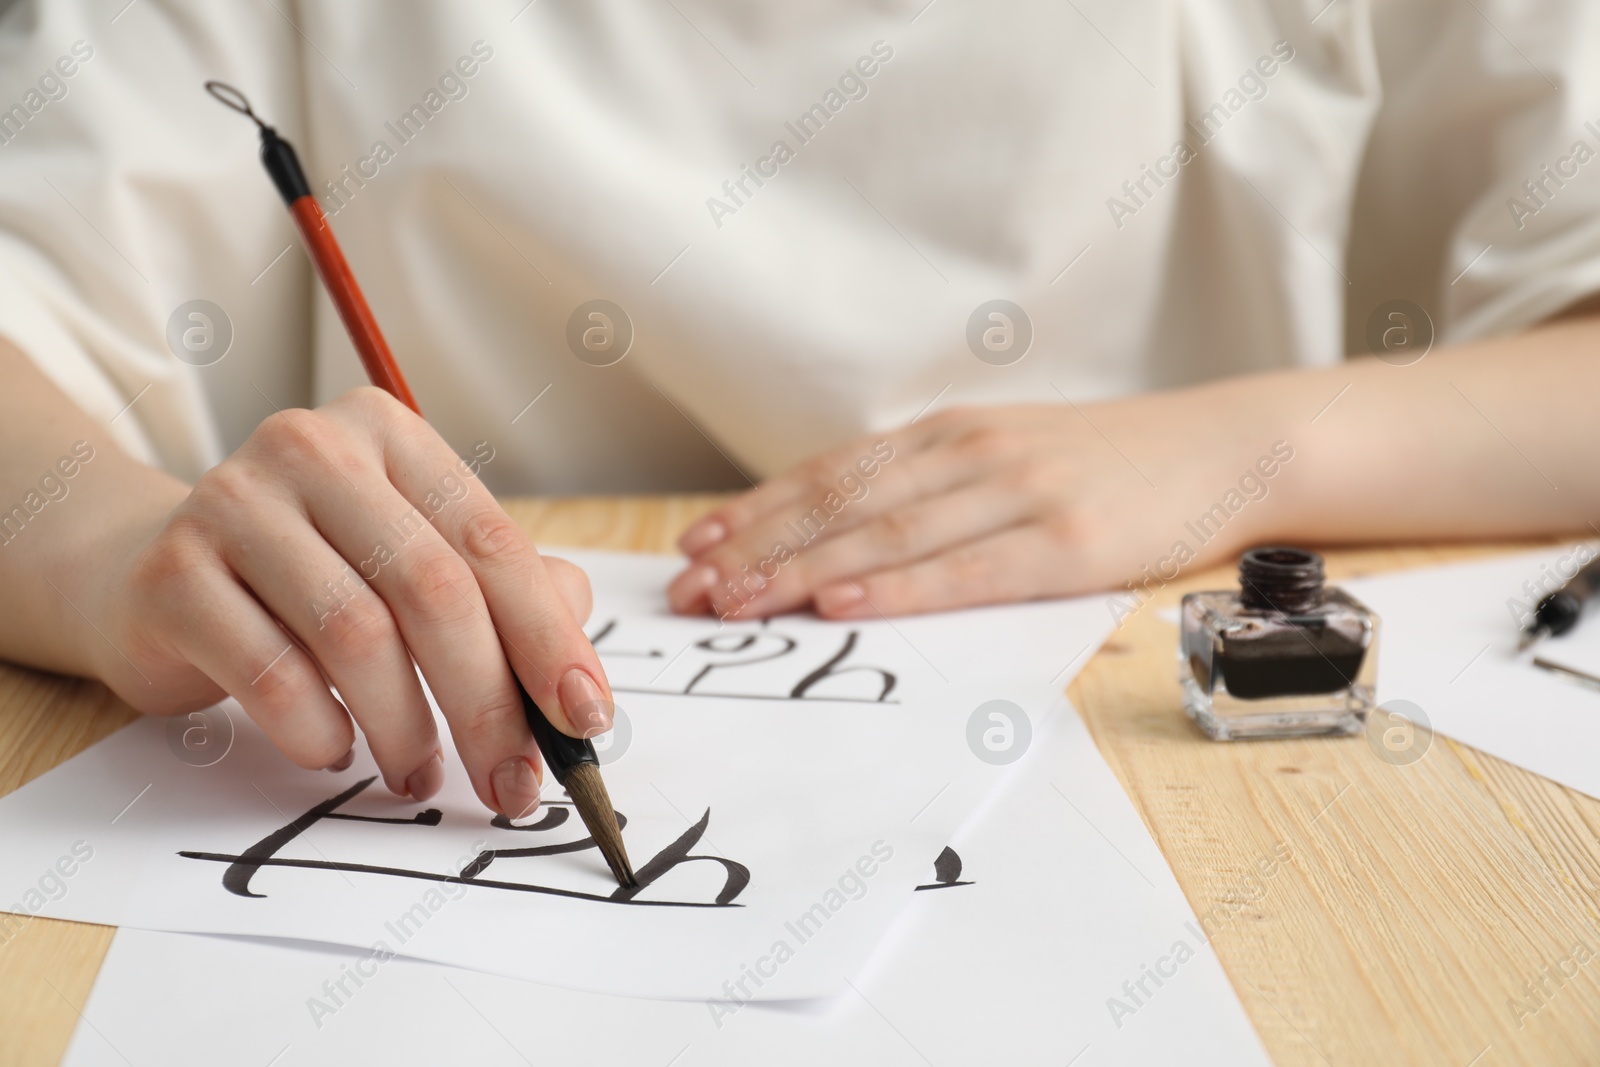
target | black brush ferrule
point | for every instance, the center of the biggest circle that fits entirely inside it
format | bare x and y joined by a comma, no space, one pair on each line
278,156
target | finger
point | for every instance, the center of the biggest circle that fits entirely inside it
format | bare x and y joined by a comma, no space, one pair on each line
833,505
1021,563
232,640
788,488
861,456
351,634
544,643
895,538
442,618
573,585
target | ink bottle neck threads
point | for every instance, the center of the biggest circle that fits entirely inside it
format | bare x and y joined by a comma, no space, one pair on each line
1284,655
1280,579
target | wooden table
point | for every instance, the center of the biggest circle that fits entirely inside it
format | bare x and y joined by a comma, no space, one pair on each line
1417,904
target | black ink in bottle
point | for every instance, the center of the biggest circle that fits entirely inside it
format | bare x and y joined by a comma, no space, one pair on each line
1283,655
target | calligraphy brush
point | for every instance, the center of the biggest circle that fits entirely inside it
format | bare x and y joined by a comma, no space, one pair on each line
571,759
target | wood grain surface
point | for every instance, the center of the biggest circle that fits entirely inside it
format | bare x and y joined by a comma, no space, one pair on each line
1442,912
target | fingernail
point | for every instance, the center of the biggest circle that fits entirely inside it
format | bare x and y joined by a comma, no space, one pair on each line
343,762
587,709
687,588
839,599
427,779
516,788
707,533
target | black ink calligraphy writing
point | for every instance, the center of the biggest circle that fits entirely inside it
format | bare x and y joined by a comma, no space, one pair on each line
724,655
244,866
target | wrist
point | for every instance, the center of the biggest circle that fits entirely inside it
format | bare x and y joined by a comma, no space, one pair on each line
125,504
1241,461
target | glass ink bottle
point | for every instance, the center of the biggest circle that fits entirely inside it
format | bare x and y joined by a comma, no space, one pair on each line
1282,656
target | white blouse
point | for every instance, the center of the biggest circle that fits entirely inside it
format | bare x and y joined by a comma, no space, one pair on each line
800,215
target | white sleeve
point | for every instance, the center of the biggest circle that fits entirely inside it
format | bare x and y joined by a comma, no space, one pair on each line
126,191
1483,172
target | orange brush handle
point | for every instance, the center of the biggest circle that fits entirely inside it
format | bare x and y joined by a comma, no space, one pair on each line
341,284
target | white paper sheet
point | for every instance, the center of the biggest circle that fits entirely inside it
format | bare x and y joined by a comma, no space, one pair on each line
808,821
1449,645
1068,899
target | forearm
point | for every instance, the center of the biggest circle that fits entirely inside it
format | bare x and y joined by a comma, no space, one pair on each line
1492,439
68,497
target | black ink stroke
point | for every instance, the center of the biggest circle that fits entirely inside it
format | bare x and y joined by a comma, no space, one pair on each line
236,879
831,669
453,879
489,855
425,817
676,854
709,644
760,641
605,632
785,697
242,867
556,813
946,871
